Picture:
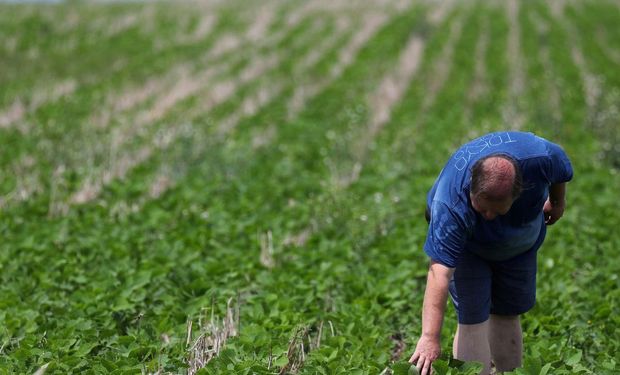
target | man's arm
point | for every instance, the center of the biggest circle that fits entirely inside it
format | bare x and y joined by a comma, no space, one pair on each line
555,204
435,297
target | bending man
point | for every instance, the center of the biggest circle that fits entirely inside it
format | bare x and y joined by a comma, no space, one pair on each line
487,213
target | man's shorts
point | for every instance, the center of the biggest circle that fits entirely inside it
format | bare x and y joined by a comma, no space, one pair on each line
480,287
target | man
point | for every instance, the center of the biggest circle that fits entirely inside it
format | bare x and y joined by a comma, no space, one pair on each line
487,214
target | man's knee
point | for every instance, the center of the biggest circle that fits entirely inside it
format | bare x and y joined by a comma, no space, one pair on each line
504,318
471,334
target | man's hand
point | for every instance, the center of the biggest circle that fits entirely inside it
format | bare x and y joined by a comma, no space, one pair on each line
553,211
435,297
427,350
554,206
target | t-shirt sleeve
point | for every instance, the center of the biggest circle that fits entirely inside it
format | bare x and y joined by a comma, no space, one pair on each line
558,168
446,236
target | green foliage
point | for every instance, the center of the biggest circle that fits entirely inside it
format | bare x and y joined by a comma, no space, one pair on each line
110,285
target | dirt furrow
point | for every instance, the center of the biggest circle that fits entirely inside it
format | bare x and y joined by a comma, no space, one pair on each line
15,112
172,84
343,24
249,107
123,164
513,111
407,67
557,8
590,82
143,18
164,179
205,25
252,104
393,86
120,24
603,40
555,101
338,6
441,70
439,12
71,20
263,137
259,28
255,36
388,94
221,91
135,96
479,86
185,87
27,181
371,24
14,115
592,87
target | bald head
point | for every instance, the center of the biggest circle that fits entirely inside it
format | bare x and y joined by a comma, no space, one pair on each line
496,178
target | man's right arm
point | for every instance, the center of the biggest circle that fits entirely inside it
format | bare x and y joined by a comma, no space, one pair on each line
428,348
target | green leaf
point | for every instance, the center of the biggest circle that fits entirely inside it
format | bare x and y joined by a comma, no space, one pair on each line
574,359
84,349
440,366
532,365
471,366
401,368
609,364
282,361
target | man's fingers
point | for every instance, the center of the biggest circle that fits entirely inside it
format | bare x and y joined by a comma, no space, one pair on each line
426,369
549,220
414,357
420,365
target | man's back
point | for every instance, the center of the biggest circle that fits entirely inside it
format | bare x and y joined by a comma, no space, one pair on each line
457,227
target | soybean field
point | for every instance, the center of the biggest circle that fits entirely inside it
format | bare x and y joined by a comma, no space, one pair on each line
235,187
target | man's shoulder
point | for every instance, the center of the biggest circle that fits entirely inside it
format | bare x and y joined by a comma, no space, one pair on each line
457,210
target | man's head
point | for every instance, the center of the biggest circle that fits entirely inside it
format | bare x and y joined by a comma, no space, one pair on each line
496,182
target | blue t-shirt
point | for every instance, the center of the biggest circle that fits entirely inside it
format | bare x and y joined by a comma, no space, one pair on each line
456,227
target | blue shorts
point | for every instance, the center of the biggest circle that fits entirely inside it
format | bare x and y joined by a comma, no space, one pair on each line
481,287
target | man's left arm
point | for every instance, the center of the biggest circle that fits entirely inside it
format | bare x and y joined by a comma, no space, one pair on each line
558,172
556,203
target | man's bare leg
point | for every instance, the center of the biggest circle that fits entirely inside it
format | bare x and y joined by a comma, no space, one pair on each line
506,341
471,343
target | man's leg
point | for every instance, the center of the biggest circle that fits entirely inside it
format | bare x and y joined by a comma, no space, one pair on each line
513,293
470,289
471,343
505,341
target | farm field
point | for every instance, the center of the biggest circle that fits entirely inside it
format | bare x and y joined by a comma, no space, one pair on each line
178,176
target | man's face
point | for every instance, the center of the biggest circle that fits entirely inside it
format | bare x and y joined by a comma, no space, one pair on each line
490,209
